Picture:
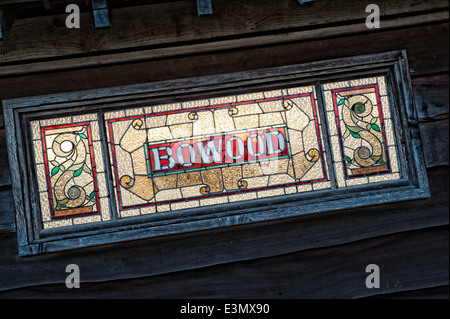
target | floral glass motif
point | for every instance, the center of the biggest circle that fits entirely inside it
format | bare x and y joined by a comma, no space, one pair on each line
361,131
67,172
215,151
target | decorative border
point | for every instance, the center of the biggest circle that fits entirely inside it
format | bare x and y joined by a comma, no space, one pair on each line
341,143
48,173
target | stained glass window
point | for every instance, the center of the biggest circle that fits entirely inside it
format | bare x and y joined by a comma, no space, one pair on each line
197,153
70,173
215,151
158,159
361,131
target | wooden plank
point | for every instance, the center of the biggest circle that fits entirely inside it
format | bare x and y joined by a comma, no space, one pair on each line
47,4
431,97
5,179
244,42
7,15
7,212
420,59
19,189
439,292
30,38
17,1
407,261
215,81
434,137
200,249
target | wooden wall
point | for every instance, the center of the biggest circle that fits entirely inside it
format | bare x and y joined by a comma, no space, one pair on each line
314,256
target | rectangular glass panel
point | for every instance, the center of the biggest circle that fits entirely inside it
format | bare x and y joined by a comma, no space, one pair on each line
71,178
215,151
361,129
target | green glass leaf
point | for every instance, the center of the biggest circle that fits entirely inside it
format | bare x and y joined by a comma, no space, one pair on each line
54,170
54,163
355,129
341,102
75,167
86,169
82,135
373,120
375,127
91,195
355,135
348,159
78,172
346,134
376,157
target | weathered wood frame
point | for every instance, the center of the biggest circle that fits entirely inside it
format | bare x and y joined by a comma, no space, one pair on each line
32,239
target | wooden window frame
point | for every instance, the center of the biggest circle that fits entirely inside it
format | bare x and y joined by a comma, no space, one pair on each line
32,239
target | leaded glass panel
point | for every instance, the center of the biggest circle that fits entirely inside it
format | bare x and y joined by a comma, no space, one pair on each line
70,171
361,131
215,151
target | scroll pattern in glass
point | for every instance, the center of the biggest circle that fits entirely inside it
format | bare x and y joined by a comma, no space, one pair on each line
361,131
69,171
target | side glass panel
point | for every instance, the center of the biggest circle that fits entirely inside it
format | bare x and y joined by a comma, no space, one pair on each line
70,171
361,131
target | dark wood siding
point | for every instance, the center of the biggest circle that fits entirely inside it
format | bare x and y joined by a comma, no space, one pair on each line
314,256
